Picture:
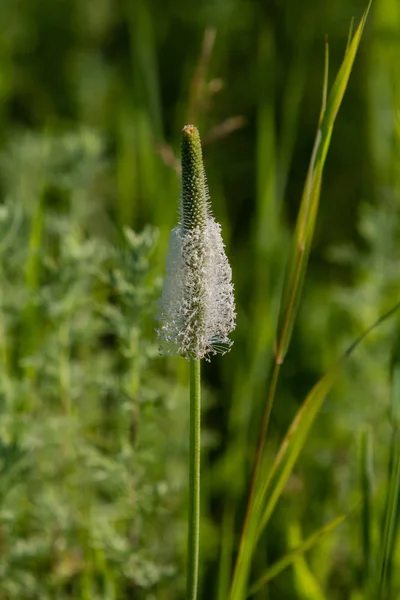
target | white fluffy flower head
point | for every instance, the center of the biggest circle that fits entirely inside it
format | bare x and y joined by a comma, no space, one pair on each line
197,307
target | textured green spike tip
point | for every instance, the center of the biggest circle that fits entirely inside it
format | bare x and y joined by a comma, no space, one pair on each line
194,201
197,307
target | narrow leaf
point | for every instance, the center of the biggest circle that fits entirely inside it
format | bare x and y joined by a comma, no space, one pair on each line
390,518
291,296
366,505
392,504
298,431
310,199
306,584
294,442
288,559
350,33
395,396
325,84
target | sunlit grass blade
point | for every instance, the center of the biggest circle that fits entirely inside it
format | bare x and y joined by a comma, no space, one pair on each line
270,490
305,582
391,512
294,442
288,559
249,536
390,520
325,83
298,431
350,34
310,200
395,396
293,287
225,563
366,506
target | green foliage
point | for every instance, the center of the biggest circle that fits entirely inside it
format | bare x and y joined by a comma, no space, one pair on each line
93,426
84,496
294,554
263,494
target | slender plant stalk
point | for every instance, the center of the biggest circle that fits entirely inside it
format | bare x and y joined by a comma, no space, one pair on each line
283,339
264,426
390,519
256,470
194,481
197,309
366,477
292,293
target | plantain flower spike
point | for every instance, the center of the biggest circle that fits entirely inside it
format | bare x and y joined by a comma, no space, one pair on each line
197,306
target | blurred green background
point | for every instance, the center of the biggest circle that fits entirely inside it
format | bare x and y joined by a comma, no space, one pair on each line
93,423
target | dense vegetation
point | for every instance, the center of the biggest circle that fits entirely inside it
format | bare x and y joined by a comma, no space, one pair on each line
93,423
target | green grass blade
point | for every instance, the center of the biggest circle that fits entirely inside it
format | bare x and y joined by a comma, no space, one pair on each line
325,83
245,554
227,545
391,512
292,292
294,442
305,582
390,519
291,556
310,200
269,492
351,29
298,431
395,399
366,476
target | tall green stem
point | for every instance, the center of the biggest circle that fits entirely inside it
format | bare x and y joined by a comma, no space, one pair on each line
249,534
194,481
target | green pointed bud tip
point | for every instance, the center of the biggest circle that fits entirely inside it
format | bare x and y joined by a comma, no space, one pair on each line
194,201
